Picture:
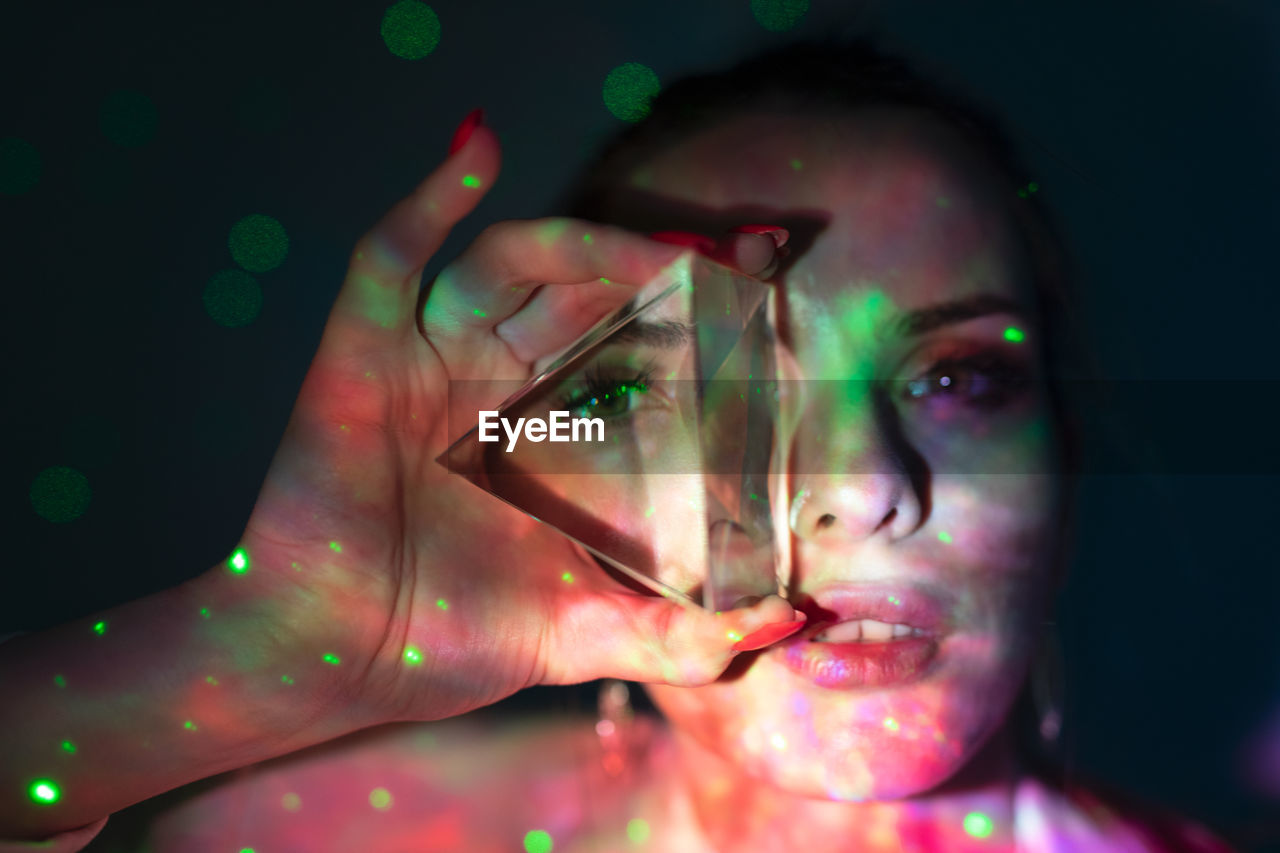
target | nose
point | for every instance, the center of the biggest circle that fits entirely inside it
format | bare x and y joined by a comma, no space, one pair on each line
852,477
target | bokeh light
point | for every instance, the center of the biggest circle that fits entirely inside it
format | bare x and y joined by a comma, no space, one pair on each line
291,802
232,298
381,799
44,791
258,243
628,89
60,494
778,16
537,841
19,166
239,561
129,118
411,29
638,830
977,824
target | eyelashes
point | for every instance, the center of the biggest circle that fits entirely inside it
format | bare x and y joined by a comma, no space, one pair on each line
985,380
605,392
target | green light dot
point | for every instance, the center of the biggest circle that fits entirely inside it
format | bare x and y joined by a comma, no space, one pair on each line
246,850
291,802
586,238
567,577
258,243
638,830
129,118
380,799
204,612
470,181
1014,335
442,604
891,724
239,563
778,16
19,166
335,547
284,679
1032,187
478,312
977,824
232,298
209,679
44,791
604,280
60,494
944,537
537,841
60,681
190,726
332,659
412,655
628,89
99,628
734,636
69,747
410,29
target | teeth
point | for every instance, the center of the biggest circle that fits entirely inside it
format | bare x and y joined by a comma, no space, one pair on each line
866,631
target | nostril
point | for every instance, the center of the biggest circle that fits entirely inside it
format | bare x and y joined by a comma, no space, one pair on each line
826,521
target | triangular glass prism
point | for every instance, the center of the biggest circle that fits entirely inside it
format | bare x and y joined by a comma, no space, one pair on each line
649,441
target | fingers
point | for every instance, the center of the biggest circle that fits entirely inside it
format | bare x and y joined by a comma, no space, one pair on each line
639,638
382,285
499,273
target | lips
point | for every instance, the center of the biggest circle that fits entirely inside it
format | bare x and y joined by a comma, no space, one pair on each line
868,636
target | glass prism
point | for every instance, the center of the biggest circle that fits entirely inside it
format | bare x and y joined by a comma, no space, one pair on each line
657,444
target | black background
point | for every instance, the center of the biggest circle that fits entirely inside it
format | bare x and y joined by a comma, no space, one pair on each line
1151,127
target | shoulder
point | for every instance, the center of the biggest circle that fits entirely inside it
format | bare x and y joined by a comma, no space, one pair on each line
1079,818
477,784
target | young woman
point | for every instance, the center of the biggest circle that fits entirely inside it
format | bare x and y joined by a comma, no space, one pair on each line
869,709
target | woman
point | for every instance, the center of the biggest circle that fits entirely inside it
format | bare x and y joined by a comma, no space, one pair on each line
868,709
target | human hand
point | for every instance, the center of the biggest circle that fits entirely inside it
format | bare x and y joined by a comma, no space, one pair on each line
440,598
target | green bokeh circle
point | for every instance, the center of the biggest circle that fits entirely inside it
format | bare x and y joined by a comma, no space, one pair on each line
778,16
129,118
19,166
628,89
258,243
60,494
233,298
411,29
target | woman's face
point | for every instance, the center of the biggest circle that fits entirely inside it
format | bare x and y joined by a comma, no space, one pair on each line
920,495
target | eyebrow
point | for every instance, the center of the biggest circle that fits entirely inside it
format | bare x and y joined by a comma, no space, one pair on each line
923,320
664,335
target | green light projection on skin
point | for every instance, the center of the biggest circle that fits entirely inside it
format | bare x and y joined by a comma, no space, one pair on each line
284,679
44,791
412,656
537,841
232,298
478,312
60,681
944,537
638,830
797,165
1016,336
204,612
60,494
69,747
99,628
19,166
238,563
190,726
332,659
129,118
209,679
442,604
291,802
258,243
567,577
335,547
977,824
470,181
380,799
410,29
628,89
778,16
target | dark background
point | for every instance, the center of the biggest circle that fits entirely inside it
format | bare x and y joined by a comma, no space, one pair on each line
1151,127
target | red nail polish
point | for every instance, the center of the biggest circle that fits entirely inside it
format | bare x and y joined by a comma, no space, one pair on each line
703,244
474,119
779,234
768,635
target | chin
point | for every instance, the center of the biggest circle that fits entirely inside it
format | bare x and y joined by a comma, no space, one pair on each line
844,745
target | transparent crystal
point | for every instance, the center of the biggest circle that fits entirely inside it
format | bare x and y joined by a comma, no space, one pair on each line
675,493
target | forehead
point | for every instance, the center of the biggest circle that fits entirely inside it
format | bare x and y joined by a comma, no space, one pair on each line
910,214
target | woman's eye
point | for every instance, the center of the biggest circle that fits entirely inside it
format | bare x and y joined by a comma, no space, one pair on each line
610,400
980,381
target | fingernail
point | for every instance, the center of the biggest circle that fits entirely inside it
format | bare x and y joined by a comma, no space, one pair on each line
779,234
768,635
474,119
703,244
